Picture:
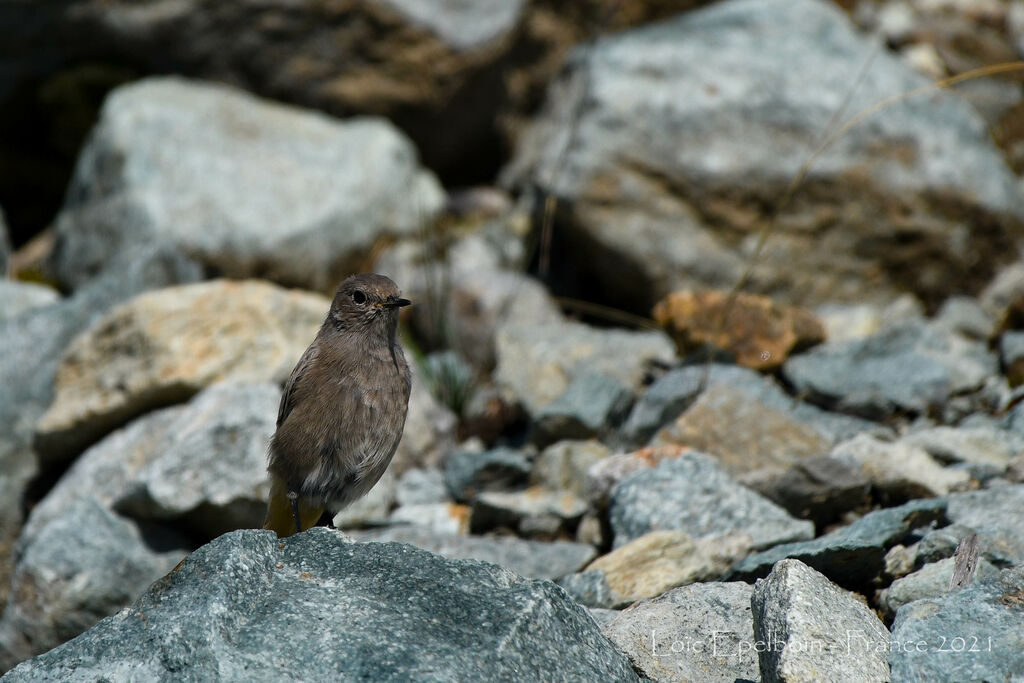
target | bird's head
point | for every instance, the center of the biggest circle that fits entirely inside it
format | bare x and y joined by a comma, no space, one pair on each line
367,301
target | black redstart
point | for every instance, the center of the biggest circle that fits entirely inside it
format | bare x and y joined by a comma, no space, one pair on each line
343,408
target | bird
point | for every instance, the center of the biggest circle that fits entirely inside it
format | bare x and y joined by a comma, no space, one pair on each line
343,408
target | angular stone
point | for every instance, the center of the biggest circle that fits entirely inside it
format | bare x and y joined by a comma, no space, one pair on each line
975,445
467,473
249,187
701,632
658,561
81,566
760,333
820,489
692,493
604,476
742,433
854,555
677,389
997,515
663,194
899,470
909,367
590,588
433,617
538,362
969,634
931,581
162,347
564,465
592,406
814,630
965,315
202,464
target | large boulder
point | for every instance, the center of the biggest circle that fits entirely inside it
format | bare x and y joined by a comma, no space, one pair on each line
245,186
248,606
693,128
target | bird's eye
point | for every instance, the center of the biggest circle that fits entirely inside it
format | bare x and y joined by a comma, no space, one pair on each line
359,297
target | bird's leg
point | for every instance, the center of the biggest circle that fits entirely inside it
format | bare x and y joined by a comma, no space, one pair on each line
294,498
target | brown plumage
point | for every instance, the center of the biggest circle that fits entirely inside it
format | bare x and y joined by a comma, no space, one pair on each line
343,408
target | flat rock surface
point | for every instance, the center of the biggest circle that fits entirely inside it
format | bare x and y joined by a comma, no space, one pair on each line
248,606
692,493
162,347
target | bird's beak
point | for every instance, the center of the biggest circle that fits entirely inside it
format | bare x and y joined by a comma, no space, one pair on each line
397,303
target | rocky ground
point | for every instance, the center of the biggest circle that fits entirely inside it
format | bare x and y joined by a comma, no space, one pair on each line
611,468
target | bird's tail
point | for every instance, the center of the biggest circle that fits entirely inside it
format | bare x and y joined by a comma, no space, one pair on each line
279,510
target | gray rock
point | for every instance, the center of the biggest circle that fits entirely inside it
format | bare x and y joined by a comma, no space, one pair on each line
815,631
938,544
535,559
408,615
854,555
910,367
18,297
590,588
601,615
692,493
899,470
931,581
564,465
593,405
519,509
670,395
248,187
466,473
659,188
743,433
33,344
1006,288
819,489
973,445
538,362
208,469
965,315
202,464
997,515
972,634
702,632
448,519
421,486
82,566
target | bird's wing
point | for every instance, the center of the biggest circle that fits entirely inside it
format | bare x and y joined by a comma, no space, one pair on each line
288,397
